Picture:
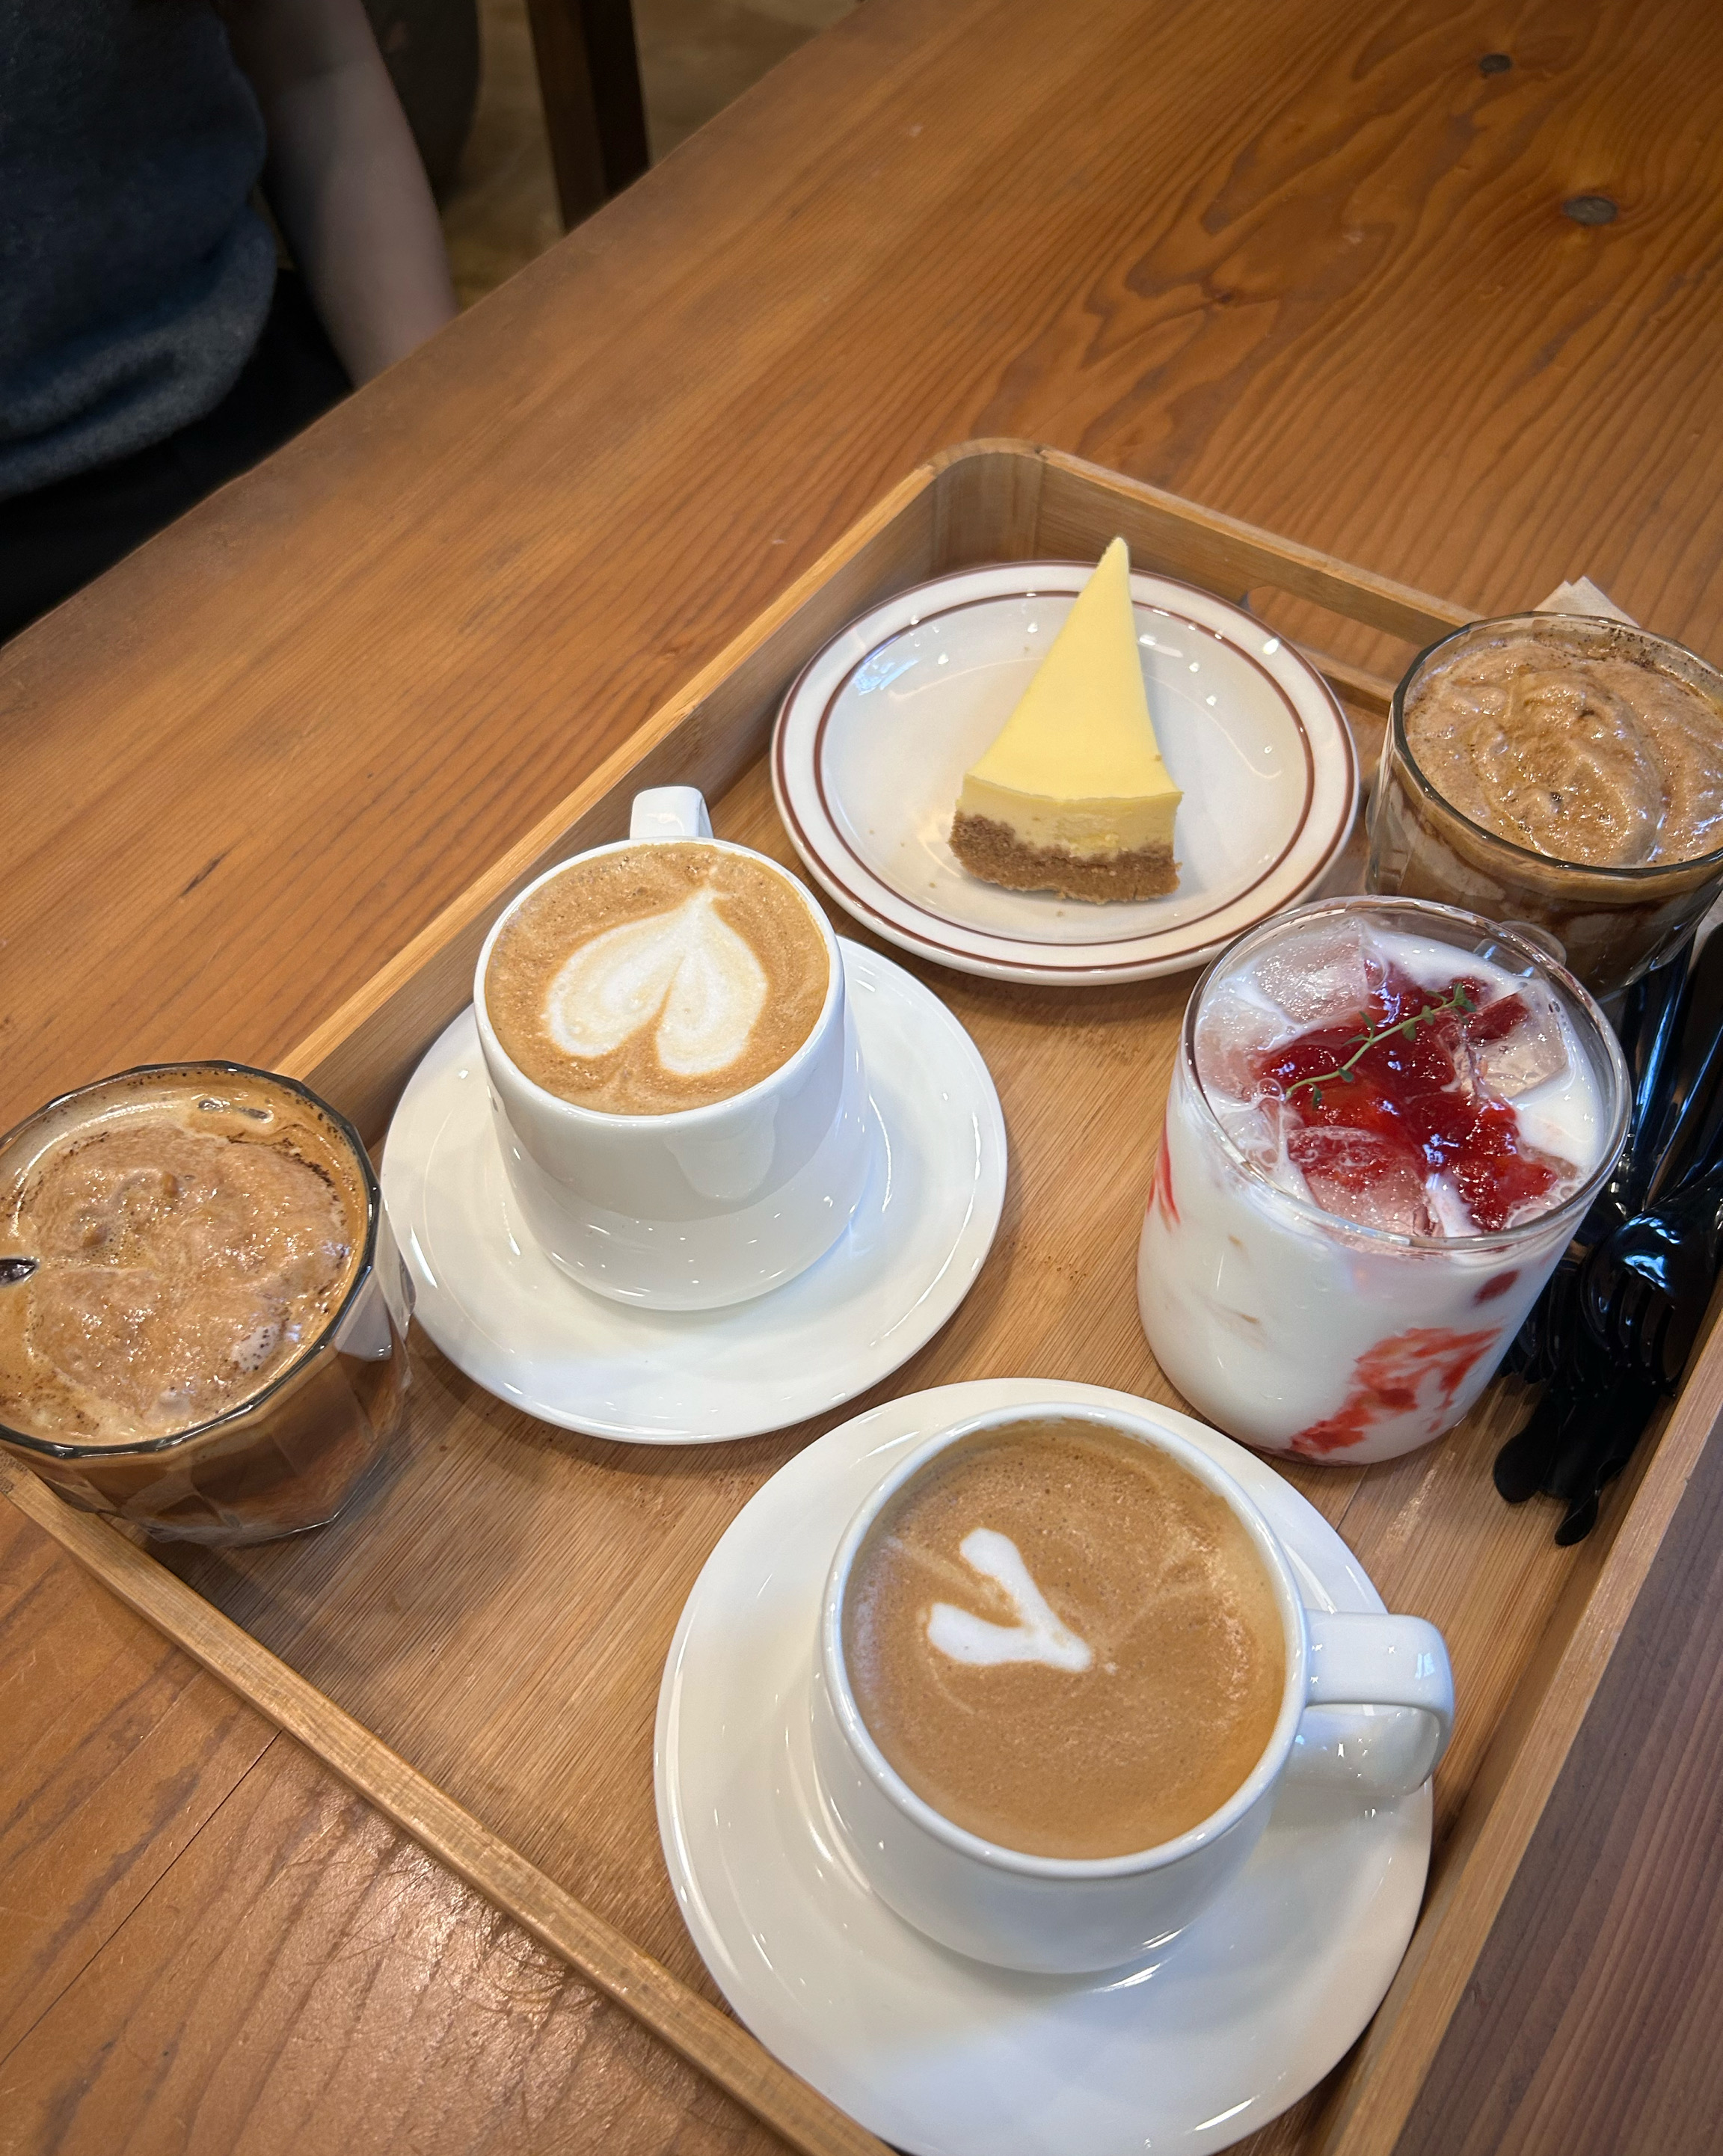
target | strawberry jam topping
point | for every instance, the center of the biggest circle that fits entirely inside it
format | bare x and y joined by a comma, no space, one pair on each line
1382,1103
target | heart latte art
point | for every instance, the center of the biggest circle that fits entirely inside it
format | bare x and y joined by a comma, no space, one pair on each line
686,973
1037,1636
660,977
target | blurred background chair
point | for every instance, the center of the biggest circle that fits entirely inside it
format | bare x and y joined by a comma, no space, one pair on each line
588,78
531,114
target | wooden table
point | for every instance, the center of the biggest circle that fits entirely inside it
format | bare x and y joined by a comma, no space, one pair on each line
1308,265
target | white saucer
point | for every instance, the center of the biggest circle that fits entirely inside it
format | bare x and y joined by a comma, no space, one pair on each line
876,733
500,1310
941,2056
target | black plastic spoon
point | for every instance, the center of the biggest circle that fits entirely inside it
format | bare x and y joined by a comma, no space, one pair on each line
1684,1138
1646,1289
1652,1024
1584,1428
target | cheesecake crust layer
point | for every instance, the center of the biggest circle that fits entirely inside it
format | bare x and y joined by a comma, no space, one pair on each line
995,853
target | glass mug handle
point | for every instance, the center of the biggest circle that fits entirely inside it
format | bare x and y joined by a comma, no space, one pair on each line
671,812
1380,1708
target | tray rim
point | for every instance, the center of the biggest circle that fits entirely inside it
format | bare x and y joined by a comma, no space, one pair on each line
332,1057
373,1033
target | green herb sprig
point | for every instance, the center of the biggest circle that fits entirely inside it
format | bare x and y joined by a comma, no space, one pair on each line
1362,1043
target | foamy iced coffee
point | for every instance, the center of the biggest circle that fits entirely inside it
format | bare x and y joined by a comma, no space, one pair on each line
182,1246
177,1246
1584,747
1384,1121
1562,771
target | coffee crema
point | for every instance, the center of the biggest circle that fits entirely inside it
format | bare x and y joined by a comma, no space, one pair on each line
1063,1642
664,976
188,1244
1576,740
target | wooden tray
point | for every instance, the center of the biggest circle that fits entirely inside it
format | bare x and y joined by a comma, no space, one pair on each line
478,1649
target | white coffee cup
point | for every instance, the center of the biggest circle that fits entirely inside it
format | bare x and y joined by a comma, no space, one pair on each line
1058,1915
704,1206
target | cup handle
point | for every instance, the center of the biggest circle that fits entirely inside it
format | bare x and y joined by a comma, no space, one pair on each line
671,812
1367,1664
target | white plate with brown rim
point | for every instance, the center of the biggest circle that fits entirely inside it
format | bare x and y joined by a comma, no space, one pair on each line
1190,2048
878,730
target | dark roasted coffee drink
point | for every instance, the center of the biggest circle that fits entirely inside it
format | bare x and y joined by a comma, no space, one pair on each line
171,1252
663,975
1064,1641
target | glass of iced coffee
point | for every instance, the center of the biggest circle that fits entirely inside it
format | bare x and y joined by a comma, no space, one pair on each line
1385,1120
202,1314
1563,771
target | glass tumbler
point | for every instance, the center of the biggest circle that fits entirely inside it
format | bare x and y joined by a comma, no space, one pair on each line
1300,1332
1613,924
293,1456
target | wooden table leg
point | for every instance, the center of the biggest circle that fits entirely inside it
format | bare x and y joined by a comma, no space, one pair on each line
589,77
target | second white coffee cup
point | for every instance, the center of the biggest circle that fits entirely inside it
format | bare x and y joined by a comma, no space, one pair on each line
705,1206
1064,1916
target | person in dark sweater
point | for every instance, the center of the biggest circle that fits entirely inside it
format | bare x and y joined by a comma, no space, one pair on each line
151,347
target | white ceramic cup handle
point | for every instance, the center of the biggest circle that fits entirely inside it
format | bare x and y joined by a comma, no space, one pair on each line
671,812
1365,1661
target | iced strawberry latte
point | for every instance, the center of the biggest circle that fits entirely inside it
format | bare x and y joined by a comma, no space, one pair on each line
1385,1122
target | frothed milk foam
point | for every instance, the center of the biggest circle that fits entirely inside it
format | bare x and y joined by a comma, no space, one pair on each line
185,1245
663,975
1063,1642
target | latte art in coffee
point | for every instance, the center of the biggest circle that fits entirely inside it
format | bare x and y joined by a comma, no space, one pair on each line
664,976
687,974
1064,1641
1037,1636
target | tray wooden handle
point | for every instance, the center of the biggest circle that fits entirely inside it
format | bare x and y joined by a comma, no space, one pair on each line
595,1950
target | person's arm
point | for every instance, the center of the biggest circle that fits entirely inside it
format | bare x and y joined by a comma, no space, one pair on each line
344,177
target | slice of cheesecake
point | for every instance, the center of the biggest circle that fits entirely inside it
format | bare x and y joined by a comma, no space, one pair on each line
1073,796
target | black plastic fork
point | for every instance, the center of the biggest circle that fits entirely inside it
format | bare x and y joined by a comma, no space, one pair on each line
1644,1286
1598,1397
1652,1026
1580,1437
1644,1290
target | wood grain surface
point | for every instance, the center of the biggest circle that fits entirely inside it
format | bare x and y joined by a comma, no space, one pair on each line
1307,266
707,2038
977,501
1588,2022
256,1957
